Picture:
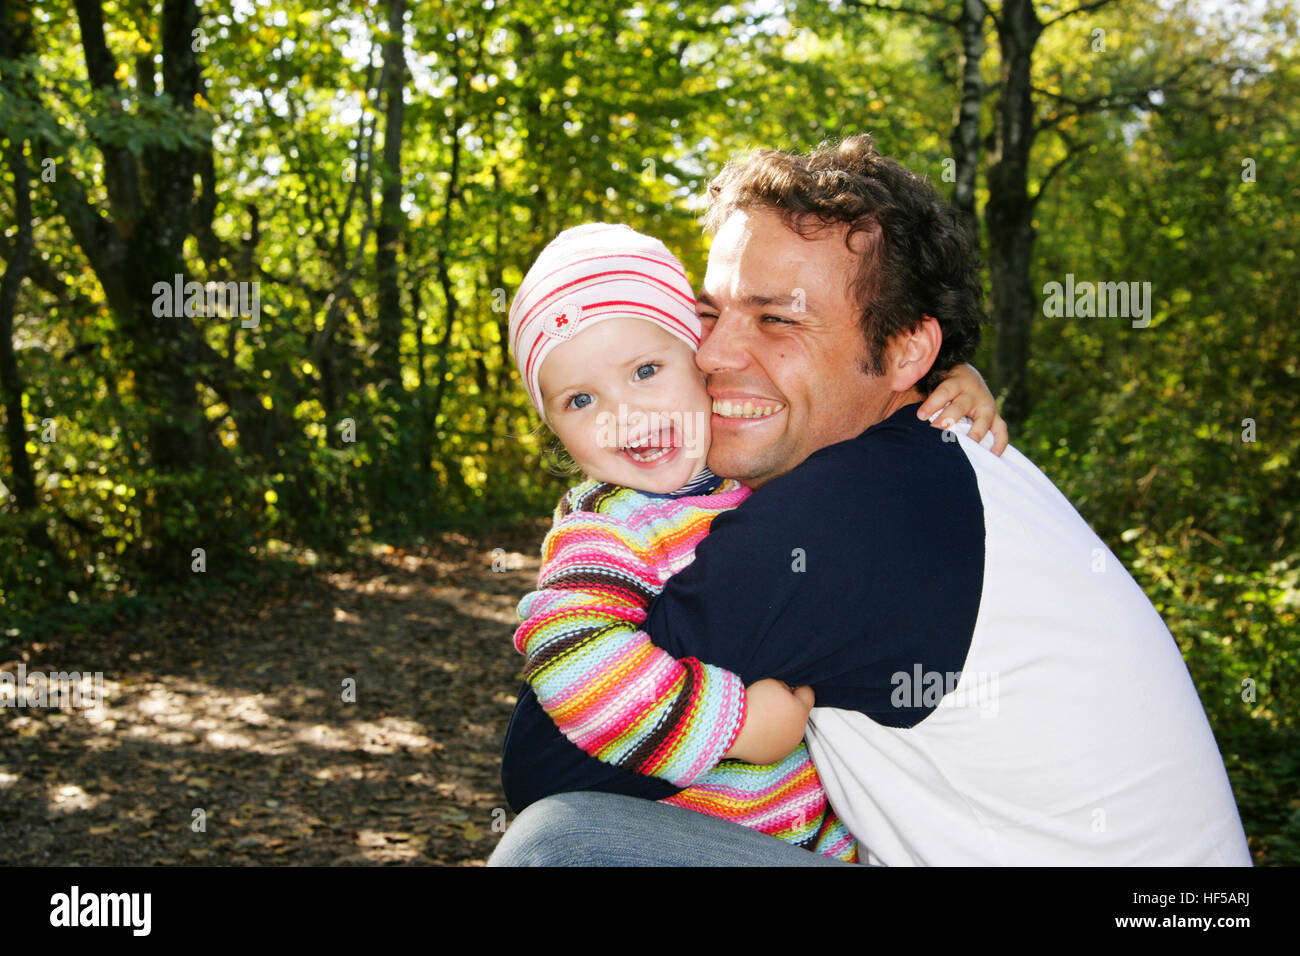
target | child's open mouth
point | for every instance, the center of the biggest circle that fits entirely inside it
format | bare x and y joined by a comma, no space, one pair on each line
652,450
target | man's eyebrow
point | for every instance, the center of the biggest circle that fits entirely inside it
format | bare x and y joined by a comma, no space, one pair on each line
756,300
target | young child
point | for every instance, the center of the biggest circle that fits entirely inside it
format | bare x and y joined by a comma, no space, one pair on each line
604,332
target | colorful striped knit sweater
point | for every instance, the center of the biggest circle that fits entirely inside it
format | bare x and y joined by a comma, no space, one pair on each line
627,702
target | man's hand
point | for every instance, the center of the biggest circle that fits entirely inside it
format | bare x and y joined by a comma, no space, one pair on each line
775,718
966,396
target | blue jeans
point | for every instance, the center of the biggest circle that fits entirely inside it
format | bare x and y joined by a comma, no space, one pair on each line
607,829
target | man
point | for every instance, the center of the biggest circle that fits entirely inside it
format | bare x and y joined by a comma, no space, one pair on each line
1026,705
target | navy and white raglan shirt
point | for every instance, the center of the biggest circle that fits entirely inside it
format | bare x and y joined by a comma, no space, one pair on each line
992,686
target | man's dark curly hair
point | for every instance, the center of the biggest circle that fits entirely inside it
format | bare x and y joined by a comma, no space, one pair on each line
919,258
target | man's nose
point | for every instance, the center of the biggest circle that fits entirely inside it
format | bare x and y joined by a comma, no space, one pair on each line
724,347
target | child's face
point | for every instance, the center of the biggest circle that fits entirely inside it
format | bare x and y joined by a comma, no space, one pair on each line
625,398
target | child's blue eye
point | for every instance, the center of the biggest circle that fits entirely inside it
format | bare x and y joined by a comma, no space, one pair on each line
641,372
580,400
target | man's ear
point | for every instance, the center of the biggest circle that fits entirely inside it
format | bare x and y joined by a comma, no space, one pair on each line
912,354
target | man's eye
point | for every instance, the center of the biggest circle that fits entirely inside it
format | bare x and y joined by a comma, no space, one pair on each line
645,371
580,400
777,318
708,317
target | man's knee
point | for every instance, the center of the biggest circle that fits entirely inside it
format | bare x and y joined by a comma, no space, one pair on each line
556,831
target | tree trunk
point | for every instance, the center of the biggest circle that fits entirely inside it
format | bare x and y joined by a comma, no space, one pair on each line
389,232
1009,213
12,47
425,431
150,199
965,137
24,482
15,43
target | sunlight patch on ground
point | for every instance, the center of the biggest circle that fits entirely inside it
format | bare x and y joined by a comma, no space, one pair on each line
181,712
225,740
386,736
69,798
390,846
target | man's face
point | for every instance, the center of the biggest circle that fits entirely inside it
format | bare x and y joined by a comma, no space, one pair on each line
782,348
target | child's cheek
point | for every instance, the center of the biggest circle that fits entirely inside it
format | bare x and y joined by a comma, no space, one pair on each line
697,420
701,443
699,433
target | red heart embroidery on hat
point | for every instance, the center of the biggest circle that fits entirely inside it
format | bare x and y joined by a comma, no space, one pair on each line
562,322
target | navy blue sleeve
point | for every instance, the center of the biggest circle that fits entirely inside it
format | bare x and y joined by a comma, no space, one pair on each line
538,761
865,562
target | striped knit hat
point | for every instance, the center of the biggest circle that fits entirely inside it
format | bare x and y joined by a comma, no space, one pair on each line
594,272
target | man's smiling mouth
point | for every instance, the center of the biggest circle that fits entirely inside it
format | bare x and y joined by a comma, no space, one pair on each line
730,409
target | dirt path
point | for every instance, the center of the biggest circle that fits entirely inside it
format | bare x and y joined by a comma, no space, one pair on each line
234,708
